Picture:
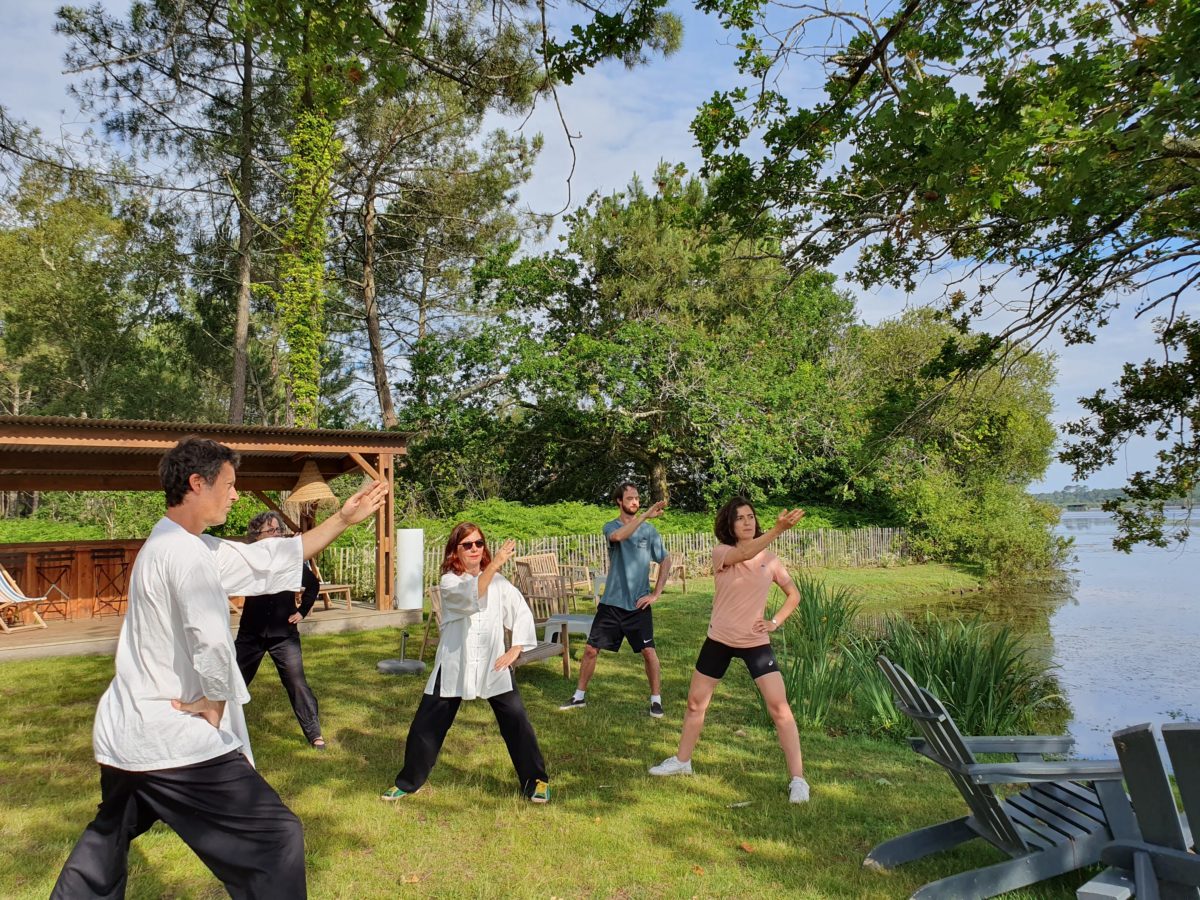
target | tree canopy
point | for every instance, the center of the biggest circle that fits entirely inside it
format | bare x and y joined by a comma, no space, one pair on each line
1042,158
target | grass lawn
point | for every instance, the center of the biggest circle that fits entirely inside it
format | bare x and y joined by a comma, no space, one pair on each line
611,830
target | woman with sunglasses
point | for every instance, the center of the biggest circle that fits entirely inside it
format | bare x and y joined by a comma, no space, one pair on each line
268,625
743,572
478,604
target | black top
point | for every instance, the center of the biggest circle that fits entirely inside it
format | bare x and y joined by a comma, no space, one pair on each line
267,614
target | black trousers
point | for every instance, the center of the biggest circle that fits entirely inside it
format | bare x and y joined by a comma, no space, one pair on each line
436,714
221,808
285,651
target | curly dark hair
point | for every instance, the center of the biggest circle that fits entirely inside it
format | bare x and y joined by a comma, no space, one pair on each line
727,515
262,520
450,558
192,456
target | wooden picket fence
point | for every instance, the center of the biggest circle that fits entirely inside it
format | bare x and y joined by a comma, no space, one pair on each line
808,548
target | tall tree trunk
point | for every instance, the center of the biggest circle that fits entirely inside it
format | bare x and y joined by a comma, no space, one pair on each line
420,390
658,482
383,390
241,330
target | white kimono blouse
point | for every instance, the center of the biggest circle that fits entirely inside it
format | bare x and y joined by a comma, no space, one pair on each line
473,636
176,644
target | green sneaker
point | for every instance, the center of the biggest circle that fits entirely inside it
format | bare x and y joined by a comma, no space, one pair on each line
541,792
394,793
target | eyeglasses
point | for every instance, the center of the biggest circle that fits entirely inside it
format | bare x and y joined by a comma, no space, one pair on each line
274,529
469,544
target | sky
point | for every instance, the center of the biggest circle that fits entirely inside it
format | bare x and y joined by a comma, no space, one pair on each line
623,122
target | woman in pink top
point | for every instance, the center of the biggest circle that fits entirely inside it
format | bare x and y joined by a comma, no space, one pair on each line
743,572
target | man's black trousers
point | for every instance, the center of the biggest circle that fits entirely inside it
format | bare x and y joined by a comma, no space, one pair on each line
221,808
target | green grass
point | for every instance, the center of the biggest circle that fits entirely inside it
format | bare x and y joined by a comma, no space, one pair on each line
611,830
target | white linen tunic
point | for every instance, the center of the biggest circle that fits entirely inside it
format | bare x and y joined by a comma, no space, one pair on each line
473,636
176,644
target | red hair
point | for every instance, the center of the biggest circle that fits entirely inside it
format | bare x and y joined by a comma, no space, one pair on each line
450,561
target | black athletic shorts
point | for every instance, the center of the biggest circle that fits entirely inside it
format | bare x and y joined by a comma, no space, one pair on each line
613,624
714,658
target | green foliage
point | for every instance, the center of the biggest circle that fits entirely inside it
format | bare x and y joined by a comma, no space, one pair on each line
948,453
20,531
985,674
818,676
989,680
1041,154
647,347
88,314
313,153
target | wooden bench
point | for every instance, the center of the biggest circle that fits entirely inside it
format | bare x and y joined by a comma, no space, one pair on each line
329,592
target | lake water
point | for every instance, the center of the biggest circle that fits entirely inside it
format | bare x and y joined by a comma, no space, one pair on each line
1127,636
1124,631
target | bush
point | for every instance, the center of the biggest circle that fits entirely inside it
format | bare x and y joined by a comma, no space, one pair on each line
984,674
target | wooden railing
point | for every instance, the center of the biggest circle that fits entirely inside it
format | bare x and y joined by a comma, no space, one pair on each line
808,548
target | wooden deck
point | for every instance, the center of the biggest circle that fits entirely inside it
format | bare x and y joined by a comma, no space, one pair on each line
99,635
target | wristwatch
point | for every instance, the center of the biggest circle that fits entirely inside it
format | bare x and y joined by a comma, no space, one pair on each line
774,622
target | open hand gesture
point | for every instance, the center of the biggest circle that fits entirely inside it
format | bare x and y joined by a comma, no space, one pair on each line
656,509
364,503
501,556
507,658
788,519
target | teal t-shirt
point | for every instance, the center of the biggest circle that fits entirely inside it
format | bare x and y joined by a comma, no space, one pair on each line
629,564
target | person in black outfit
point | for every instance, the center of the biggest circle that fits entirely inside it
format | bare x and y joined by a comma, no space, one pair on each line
268,625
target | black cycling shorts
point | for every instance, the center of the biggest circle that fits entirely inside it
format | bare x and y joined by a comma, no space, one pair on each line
714,658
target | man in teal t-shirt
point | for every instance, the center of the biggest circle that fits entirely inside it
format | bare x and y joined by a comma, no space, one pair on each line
624,610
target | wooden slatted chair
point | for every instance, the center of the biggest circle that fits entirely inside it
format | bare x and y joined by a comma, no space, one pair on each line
678,574
546,602
575,582
13,603
555,591
1164,862
434,619
1060,822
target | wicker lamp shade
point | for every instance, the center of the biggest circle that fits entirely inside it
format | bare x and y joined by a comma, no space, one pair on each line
311,488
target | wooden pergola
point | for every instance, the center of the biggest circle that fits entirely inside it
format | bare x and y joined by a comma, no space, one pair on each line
39,453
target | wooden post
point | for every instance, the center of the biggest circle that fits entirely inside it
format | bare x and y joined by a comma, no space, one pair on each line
385,532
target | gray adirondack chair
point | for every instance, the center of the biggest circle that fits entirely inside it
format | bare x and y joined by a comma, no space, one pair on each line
1060,822
1163,863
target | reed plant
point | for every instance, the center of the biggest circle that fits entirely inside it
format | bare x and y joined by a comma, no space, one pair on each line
985,674
809,649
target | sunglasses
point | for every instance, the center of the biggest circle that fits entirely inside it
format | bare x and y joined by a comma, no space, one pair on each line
469,544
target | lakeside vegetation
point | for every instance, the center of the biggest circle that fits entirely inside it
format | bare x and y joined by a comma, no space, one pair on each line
727,831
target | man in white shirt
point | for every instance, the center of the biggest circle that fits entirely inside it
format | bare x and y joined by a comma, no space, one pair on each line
170,736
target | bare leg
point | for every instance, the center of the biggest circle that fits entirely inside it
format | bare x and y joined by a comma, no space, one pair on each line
699,695
653,669
775,694
587,666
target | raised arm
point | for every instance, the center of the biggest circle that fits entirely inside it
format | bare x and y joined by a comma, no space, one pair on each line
750,549
635,523
502,556
357,509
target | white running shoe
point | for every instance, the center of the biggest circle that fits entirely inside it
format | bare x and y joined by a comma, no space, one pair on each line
672,766
798,791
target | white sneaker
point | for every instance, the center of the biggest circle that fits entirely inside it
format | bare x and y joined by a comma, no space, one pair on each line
672,766
798,791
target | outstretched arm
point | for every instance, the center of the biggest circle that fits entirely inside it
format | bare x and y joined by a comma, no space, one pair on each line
635,523
357,509
750,549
